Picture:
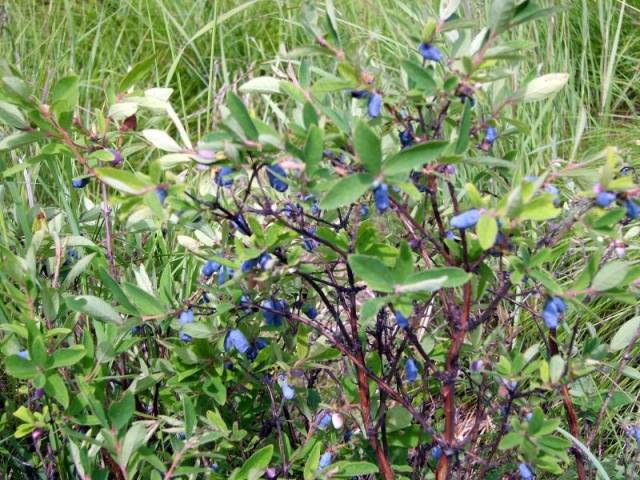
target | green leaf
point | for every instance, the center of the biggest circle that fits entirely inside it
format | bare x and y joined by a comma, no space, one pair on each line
368,147
133,440
313,149
94,307
544,86
189,412
241,115
465,126
420,76
261,85
487,230
20,367
414,157
145,303
602,473
425,285
375,273
257,463
556,368
610,276
370,308
65,357
121,412
122,180
18,139
137,73
349,469
55,388
538,209
311,464
455,277
161,140
625,334
330,84
346,190
511,440
11,116
65,95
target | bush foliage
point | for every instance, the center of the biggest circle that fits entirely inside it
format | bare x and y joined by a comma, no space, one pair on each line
345,278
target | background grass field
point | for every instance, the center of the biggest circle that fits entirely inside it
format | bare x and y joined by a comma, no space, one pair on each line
201,46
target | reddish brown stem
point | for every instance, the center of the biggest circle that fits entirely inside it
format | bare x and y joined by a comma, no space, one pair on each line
572,418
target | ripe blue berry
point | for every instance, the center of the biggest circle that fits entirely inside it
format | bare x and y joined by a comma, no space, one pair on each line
315,208
490,135
633,209
80,182
325,460
161,193
261,343
277,176
266,261
186,317
310,311
430,52
406,136
436,452
374,107
245,303
466,220
324,420
554,308
238,221
235,339
222,178
359,93
381,197
401,320
185,337
604,199
364,210
210,268
225,273
273,311
411,370
249,265
525,471
23,354
287,392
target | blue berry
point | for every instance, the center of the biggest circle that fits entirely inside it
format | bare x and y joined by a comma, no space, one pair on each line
436,452
265,261
554,308
324,421
633,209
181,435
604,199
249,265
411,370
359,93
325,460
186,317
261,343
449,235
276,310
236,339
374,107
466,220
381,197
185,337
210,268
224,274
161,193
490,135
240,223
406,137
222,178
364,210
80,182
251,353
23,354
430,52
287,392
525,471
137,330
245,303
401,320
315,208
277,176
310,311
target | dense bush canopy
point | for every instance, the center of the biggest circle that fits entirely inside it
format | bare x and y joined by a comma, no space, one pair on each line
345,277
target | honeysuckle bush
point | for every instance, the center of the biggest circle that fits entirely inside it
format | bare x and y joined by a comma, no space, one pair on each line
345,278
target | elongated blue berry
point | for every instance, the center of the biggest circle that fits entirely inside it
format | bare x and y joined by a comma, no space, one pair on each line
490,135
406,137
364,210
436,452
325,460
287,392
381,197
185,337
80,182
186,317
374,107
411,370
324,421
430,52
210,268
315,208
23,354
525,471
277,177
245,303
222,177
604,199
554,308
401,320
225,273
633,209
238,221
359,93
266,261
273,311
261,343
466,220
235,339
310,311
249,265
